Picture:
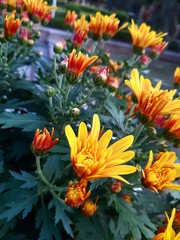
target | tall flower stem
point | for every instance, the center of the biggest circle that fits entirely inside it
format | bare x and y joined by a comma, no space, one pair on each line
87,96
40,173
141,141
129,115
67,93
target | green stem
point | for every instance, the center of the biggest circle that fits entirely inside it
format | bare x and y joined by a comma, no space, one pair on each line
141,141
94,46
54,68
87,96
39,171
138,131
15,55
67,93
129,115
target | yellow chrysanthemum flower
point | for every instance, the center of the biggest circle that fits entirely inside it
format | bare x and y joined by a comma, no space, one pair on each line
77,63
172,126
110,26
152,101
11,3
70,18
96,26
11,25
177,75
143,37
81,23
93,159
160,174
169,233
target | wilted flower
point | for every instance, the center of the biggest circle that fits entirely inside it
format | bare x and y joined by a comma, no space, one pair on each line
111,26
11,25
43,141
89,208
77,63
169,233
76,193
92,158
143,37
152,102
160,174
70,18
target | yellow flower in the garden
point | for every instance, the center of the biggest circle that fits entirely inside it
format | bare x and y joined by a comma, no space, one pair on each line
143,37
70,18
111,26
11,3
11,25
77,64
152,101
169,233
92,158
172,126
160,173
177,75
81,23
38,9
96,26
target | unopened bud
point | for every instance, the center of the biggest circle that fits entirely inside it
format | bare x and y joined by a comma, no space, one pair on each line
75,112
50,92
58,47
89,208
63,65
116,186
100,76
151,131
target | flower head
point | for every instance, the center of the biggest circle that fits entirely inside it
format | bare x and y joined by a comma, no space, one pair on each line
79,37
116,186
76,193
70,18
77,64
89,208
172,127
157,49
101,76
177,76
152,102
82,24
11,3
38,10
93,159
43,141
143,37
160,174
11,25
110,26
96,26
169,233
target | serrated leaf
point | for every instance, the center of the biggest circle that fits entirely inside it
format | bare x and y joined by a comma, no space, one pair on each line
23,203
28,122
96,183
6,226
60,208
13,104
53,167
48,230
18,149
14,236
30,181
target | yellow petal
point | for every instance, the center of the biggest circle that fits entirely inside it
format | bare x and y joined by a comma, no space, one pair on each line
71,137
122,144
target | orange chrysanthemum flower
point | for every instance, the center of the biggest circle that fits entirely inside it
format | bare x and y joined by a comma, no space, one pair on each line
38,10
116,186
160,174
96,26
152,102
169,233
110,26
172,127
177,75
77,64
76,193
89,208
81,23
11,25
143,37
70,18
79,37
93,159
157,49
43,141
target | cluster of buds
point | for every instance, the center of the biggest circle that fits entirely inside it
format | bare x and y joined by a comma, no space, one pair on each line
77,196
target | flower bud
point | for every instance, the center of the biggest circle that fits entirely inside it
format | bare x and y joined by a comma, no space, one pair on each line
144,59
63,65
58,47
100,76
116,186
151,131
50,91
112,83
89,208
127,198
75,112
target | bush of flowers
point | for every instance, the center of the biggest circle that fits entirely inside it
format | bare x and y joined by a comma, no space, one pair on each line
87,143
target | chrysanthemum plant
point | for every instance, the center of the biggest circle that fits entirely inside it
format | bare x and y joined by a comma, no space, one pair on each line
88,142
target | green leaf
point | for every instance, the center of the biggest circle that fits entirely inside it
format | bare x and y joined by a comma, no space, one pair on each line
138,223
18,149
14,236
48,230
13,104
30,181
1,166
1,157
24,203
54,166
60,208
28,122
96,183
5,227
